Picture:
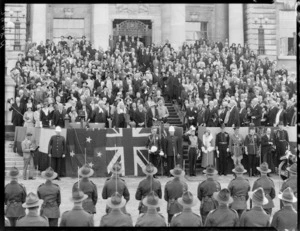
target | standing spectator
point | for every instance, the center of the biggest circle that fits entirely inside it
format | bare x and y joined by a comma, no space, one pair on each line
17,114
234,117
191,114
281,140
267,149
28,117
207,149
281,115
222,149
59,116
236,144
46,115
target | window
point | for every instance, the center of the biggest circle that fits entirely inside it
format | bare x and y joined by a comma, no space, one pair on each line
66,27
287,34
195,30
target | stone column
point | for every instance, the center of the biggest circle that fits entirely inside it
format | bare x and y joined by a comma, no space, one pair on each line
236,24
177,25
221,22
165,23
100,25
39,26
9,93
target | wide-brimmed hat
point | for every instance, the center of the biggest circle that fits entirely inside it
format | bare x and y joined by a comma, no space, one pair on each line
116,168
264,168
258,196
293,168
187,199
85,171
78,195
287,195
49,174
116,201
177,171
223,196
32,200
150,169
239,169
152,200
14,172
58,129
153,148
171,129
210,170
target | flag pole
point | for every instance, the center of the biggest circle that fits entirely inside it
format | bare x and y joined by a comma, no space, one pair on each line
84,155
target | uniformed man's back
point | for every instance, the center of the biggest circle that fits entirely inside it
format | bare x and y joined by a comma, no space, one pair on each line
116,218
222,216
285,219
32,220
256,217
151,220
186,219
77,217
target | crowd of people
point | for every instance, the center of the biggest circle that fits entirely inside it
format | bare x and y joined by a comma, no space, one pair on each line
214,83
219,207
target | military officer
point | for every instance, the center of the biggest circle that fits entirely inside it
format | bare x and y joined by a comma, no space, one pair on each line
281,141
15,195
151,218
50,193
286,218
187,217
268,186
206,190
148,185
173,190
88,187
116,217
27,148
194,148
256,217
32,218
77,217
291,182
223,215
154,146
115,184
222,149
239,188
57,150
252,143
236,144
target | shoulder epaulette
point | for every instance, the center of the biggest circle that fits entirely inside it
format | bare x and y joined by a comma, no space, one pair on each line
212,211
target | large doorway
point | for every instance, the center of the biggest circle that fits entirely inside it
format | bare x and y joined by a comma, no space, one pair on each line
132,27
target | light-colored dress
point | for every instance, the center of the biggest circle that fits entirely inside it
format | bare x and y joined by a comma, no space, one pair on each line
207,151
28,118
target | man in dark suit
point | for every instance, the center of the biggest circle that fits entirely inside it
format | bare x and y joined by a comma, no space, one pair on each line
57,151
99,114
256,112
266,149
234,117
18,111
191,114
59,116
243,114
281,140
272,113
211,115
172,150
152,114
201,115
289,112
281,115
81,102
222,149
140,116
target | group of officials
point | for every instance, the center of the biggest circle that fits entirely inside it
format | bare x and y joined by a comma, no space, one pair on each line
218,207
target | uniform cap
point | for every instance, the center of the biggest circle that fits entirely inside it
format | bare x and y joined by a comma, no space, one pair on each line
223,196
152,200
32,200
287,195
293,168
187,199
14,172
264,168
150,169
116,201
239,169
86,171
258,196
78,195
210,170
177,171
49,174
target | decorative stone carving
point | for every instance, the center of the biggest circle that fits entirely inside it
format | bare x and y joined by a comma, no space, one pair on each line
68,12
132,8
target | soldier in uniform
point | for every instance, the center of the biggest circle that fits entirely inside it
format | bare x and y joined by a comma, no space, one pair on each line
236,144
27,148
15,195
256,217
252,143
32,218
57,150
291,182
286,218
50,193
115,184
154,146
239,188
173,190
222,149
77,216
194,148
223,215
281,140
148,185
268,186
88,187
187,217
151,218
206,190
172,149
116,217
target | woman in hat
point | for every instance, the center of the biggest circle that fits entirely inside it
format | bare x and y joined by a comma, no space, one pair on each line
28,117
286,218
256,217
77,216
207,149
223,215
32,218
37,116
187,218
88,187
151,218
15,195
268,186
50,194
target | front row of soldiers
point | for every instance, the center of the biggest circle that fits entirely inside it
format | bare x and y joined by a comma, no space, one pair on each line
219,207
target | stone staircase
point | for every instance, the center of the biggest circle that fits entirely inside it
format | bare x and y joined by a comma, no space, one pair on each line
11,158
173,118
